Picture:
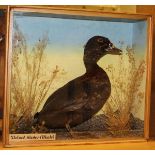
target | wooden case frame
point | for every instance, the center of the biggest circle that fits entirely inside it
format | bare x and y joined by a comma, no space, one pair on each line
64,11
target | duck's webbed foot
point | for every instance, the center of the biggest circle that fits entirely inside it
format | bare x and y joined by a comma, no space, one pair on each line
70,131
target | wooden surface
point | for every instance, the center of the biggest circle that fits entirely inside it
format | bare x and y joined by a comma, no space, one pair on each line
151,10
0,123
2,60
113,146
2,56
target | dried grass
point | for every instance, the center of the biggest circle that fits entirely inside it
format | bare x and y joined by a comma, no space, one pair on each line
127,95
29,81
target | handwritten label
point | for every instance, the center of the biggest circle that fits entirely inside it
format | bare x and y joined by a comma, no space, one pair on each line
32,137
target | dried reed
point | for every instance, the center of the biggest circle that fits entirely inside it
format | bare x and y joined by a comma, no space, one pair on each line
30,82
127,95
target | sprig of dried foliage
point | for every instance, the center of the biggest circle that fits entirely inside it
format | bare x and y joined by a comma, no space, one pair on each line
30,81
127,95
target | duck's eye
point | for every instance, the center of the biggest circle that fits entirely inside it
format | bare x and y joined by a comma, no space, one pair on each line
100,40
111,45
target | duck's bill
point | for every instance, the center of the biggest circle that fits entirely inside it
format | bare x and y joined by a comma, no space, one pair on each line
114,51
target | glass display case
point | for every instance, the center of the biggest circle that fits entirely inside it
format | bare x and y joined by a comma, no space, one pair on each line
76,77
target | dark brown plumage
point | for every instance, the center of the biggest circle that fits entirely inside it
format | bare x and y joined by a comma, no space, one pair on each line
81,98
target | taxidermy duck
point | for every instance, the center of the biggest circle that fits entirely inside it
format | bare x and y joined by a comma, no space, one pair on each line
80,99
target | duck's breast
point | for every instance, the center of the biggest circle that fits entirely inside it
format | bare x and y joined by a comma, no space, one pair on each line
100,90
